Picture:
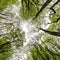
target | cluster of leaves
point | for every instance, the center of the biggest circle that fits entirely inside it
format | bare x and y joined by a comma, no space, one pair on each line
29,8
15,37
5,3
5,48
42,53
18,36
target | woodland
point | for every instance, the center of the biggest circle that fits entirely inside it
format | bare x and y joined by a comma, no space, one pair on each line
29,29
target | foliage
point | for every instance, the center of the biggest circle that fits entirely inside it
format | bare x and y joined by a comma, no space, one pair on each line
5,49
46,42
29,8
40,53
5,3
15,37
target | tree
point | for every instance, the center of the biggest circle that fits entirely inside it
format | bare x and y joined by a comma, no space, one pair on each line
32,15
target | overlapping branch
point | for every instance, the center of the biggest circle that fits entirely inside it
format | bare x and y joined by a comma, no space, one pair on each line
44,6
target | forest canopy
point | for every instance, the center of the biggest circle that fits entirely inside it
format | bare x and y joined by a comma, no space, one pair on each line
30,29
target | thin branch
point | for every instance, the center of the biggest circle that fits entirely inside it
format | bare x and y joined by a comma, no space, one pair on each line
3,14
51,32
53,10
9,42
42,8
54,5
58,1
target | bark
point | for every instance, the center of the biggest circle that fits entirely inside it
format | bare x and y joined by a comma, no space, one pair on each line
51,32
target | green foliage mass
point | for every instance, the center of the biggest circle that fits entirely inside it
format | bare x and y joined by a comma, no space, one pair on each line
5,3
5,42
19,35
53,17
5,49
48,49
27,13
29,8
40,53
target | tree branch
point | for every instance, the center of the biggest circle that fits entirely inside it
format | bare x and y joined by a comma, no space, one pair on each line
54,5
42,8
8,42
3,14
51,32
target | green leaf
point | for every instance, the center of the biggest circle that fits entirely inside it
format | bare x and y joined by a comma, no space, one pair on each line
53,17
